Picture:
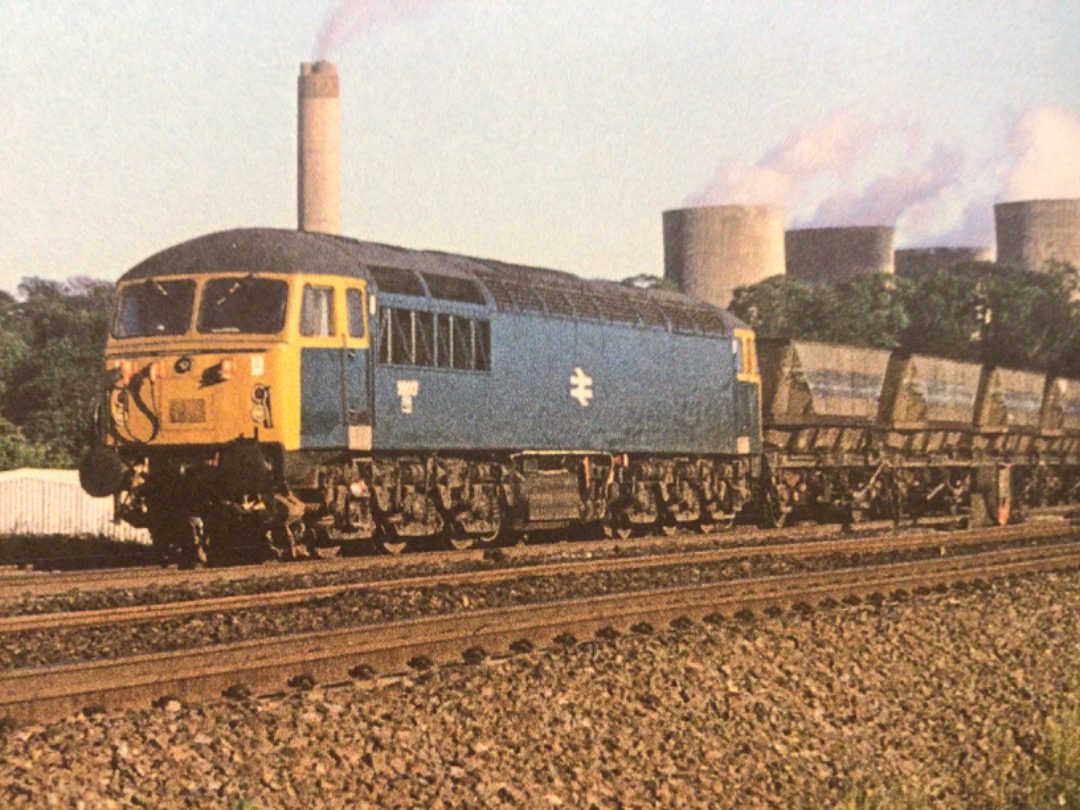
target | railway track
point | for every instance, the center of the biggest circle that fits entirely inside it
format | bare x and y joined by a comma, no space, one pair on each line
886,543
47,693
18,583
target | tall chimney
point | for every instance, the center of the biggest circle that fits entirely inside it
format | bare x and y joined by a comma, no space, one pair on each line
318,181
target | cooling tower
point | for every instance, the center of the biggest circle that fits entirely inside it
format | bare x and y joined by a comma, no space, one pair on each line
910,261
709,251
838,254
318,186
1031,233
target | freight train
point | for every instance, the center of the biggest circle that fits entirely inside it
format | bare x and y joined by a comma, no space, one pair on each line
282,393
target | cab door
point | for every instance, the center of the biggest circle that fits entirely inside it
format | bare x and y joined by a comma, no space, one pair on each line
356,370
335,385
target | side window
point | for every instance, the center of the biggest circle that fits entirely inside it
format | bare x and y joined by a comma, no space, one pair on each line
461,344
482,337
354,306
424,338
317,312
401,338
413,338
444,354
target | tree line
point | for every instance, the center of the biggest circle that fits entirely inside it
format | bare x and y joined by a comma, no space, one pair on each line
52,335
977,312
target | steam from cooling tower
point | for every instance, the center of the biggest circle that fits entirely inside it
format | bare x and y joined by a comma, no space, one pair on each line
1047,144
349,19
888,196
782,176
850,170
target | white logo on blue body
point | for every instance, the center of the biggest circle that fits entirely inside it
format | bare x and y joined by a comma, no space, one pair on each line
581,387
406,391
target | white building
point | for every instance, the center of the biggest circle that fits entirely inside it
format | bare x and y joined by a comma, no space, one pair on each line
42,502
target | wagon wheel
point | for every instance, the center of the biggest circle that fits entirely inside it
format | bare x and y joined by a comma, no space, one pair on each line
852,513
614,525
669,529
489,537
775,511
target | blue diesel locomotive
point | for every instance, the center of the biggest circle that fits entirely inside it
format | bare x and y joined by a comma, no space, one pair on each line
280,392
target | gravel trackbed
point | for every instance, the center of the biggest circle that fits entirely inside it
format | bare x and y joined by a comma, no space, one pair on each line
939,700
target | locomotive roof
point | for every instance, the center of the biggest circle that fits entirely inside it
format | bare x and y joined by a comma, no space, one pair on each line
509,287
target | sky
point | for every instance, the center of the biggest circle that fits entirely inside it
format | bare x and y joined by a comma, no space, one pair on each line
536,132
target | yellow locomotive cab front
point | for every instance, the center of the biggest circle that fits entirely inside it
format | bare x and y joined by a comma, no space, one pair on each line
204,398
183,374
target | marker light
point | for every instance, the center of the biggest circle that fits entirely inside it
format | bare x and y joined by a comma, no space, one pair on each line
126,370
225,369
155,371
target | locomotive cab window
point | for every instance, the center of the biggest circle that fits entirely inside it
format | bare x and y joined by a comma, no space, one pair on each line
244,305
317,312
745,355
354,307
154,308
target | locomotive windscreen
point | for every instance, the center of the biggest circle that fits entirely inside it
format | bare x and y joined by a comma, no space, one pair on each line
250,306
154,308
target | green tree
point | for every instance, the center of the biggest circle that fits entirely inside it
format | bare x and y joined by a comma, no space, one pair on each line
984,313
51,346
865,311
976,312
781,306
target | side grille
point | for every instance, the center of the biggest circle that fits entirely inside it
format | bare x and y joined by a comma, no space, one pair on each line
187,411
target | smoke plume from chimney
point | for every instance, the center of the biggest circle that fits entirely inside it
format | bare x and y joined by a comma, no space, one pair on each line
350,18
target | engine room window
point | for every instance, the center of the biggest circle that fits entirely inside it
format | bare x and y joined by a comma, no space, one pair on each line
151,308
412,338
461,344
482,345
317,312
244,305
354,306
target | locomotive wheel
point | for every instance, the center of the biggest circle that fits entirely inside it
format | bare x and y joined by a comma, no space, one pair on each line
459,542
318,545
180,541
669,529
721,524
391,543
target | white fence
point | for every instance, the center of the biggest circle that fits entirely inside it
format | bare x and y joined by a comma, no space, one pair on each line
41,502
